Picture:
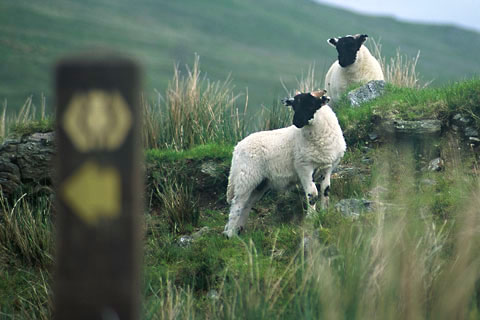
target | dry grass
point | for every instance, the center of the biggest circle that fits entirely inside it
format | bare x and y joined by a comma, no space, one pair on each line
193,111
400,70
179,206
29,113
26,231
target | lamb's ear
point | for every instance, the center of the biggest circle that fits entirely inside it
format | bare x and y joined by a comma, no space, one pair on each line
332,41
288,101
325,100
361,38
319,93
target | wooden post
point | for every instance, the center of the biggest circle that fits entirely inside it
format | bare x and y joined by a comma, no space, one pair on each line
99,189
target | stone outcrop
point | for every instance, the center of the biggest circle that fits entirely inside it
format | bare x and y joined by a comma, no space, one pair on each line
367,92
26,163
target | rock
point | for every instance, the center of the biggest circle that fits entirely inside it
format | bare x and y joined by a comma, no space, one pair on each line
474,140
185,241
367,92
213,294
428,182
354,207
200,233
461,120
464,124
373,136
26,163
412,128
436,164
470,132
211,169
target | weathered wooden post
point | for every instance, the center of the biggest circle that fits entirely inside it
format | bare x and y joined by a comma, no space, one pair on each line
99,189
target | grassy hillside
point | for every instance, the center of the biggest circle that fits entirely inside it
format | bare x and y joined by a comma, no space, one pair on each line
257,42
411,253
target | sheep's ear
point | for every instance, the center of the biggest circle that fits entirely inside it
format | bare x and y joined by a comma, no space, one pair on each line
325,100
319,93
361,38
332,41
287,101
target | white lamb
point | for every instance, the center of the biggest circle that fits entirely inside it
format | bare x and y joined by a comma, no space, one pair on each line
280,158
355,64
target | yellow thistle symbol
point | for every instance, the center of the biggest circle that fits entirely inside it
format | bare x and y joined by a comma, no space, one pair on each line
97,120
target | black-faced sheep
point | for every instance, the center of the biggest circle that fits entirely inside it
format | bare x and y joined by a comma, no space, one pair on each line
281,158
355,64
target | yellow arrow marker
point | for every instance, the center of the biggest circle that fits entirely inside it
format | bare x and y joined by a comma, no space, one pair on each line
93,192
97,120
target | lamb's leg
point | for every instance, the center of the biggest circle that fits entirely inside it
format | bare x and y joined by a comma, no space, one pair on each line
235,217
254,197
306,179
325,188
241,207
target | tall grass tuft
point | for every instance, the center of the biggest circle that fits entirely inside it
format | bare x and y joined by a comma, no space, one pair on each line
275,117
193,111
26,232
169,302
3,121
179,206
28,119
400,70
309,82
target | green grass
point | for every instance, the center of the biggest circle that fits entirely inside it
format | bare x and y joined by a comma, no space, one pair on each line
26,258
410,104
400,259
206,151
413,256
260,44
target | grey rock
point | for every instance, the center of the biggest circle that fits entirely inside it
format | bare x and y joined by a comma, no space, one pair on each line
428,182
464,124
25,162
211,169
213,294
373,136
470,132
412,128
371,90
200,233
461,120
354,207
185,241
436,164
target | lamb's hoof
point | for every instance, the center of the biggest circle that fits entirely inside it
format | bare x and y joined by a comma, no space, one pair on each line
230,233
312,200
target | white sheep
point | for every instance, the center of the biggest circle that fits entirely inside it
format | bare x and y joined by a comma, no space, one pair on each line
355,64
278,159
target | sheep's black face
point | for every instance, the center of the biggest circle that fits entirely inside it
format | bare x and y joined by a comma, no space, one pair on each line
347,48
305,105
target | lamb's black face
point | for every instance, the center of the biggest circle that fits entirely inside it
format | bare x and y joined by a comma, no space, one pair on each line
305,105
347,48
